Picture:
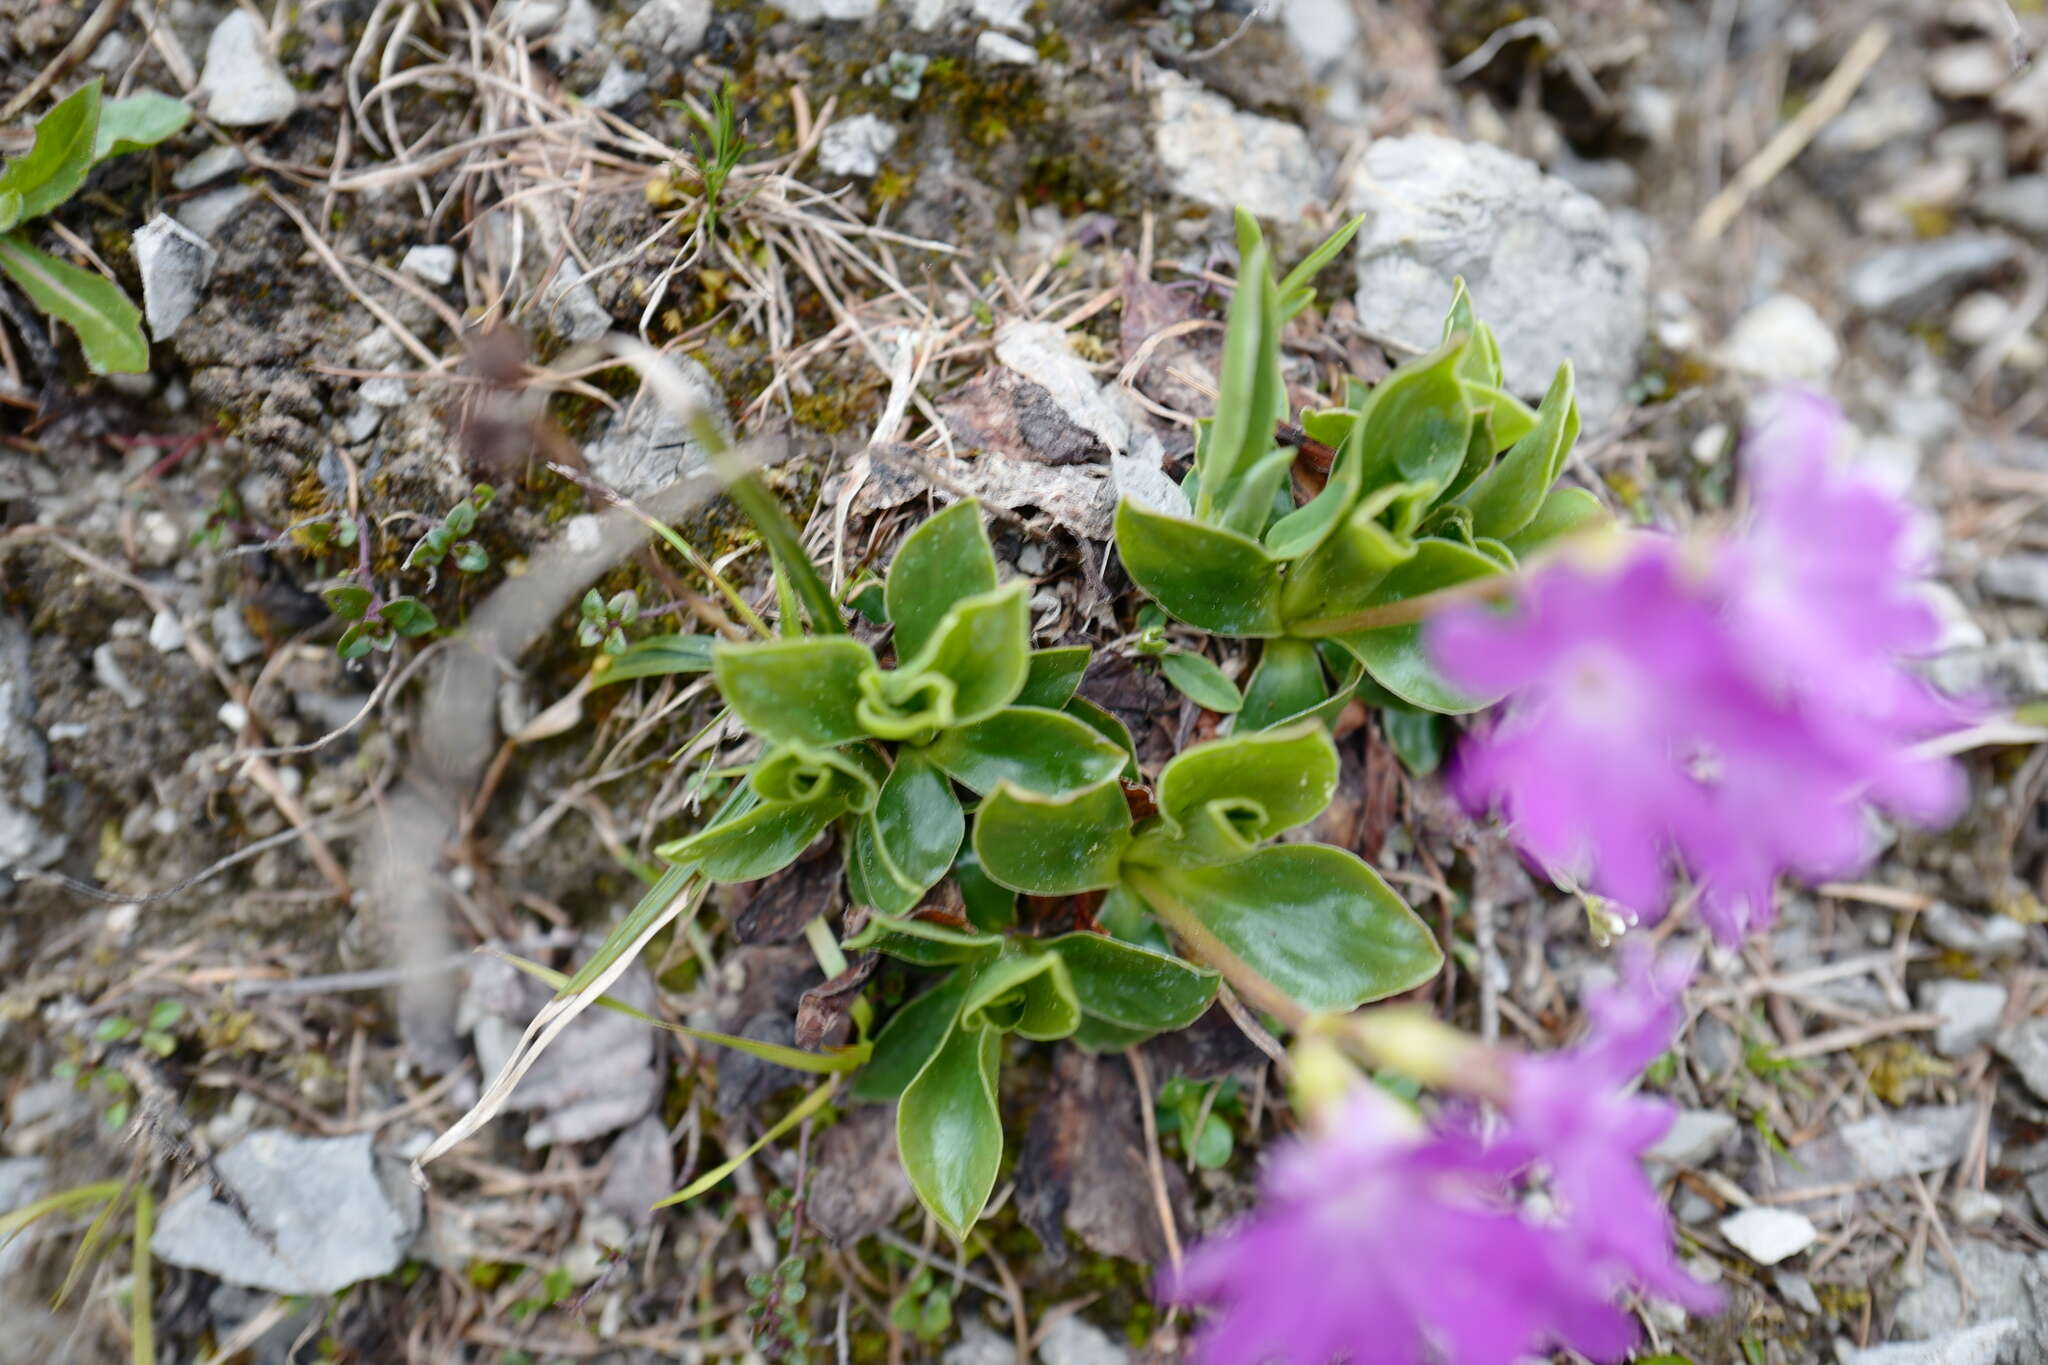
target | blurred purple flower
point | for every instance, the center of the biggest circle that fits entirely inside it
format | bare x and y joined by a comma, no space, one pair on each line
1730,717
1382,1243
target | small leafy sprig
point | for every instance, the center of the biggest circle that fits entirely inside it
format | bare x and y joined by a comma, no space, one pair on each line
376,622
603,620
78,134
1436,476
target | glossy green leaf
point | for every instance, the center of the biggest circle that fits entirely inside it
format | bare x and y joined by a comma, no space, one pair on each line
1421,417
1394,655
1508,418
1201,681
949,1133
1313,920
407,615
109,327
923,942
1566,512
972,666
1262,782
1213,579
1251,394
1027,992
796,775
764,840
656,656
784,541
10,209
1416,737
1134,987
1297,289
942,562
136,122
51,170
1288,681
1107,725
990,908
795,691
1099,1035
1341,575
1482,359
349,601
1302,530
910,1038
1053,676
1506,498
908,841
1053,845
1029,747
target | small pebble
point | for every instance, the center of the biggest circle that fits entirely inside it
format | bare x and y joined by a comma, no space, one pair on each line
1000,49
234,715
1768,1236
166,633
434,264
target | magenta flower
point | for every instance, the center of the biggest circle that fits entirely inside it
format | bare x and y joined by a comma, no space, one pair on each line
1380,1242
1729,719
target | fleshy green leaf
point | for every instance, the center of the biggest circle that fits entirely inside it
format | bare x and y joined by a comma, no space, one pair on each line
1042,751
1053,845
1201,681
1213,579
923,942
1341,574
1288,681
939,564
348,601
795,691
764,840
910,1038
109,327
136,122
10,209
1394,655
1416,737
1251,393
1099,1035
1297,290
1313,920
1567,511
972,666
1506,498
798,775
407,615
1219,799
949,1133
1134,987
908,841
1106,724
1053,676
52,170
990,908
1026,992
656,656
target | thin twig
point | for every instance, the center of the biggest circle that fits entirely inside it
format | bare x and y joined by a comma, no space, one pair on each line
1155,1165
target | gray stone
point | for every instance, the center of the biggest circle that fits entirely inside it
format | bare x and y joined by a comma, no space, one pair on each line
1324,32
328,1216
529,18
1552,271
26,842
647,448
2021,202
1907,280
810,11
1978,1345
1796,1290
980,1344
166,632
1693,1136
108,673
1882,1147
174,262
1216,154
2026,1047
1977,935
926,15
1969,1010
2005,671
1768,1236
1000,49
1070,1341
1783,339
643,1171
2019,578
599,1075
211,164
576,34
2002,1284
673,27
615,87
1889,112
1010,14
242,84
23,1180
232,636
855,146
1968,71
208,213
1976,1208
434,264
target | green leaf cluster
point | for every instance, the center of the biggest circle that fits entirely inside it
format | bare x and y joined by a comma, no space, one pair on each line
1438,476
80,132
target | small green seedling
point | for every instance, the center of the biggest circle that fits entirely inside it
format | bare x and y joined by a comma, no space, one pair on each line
82,131
604,621
902,75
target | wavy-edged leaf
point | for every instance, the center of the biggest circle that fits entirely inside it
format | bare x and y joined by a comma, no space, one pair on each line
109,327
908,841
1134,987
1288,680
1210,578
943,561
1053,845
1026,992
51,170
949,1133
1218,801
795,691
1416,737
1507,497
795,775
992,909
910,1038
1106,724
1313,920
1394,655
655,656
1053,676
765,840
137,122
923,942
1029,747
973,665
1343,572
